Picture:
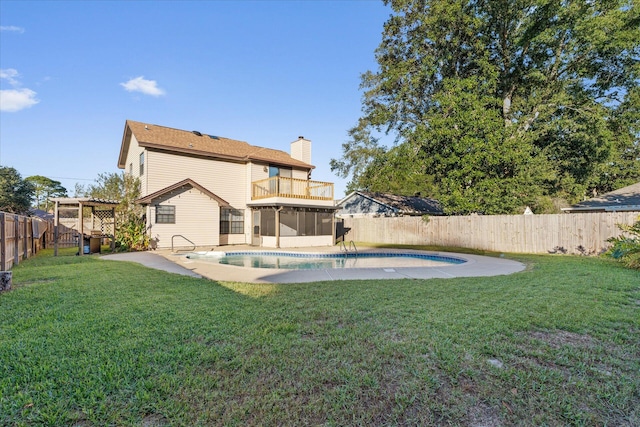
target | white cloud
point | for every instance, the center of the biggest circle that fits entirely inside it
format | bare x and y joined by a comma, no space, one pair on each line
140,84
12,100
9,75
12,28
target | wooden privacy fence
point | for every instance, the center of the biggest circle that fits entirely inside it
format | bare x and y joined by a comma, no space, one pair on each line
20,238
581,233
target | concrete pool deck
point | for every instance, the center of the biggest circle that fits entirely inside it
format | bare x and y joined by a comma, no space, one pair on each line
476,266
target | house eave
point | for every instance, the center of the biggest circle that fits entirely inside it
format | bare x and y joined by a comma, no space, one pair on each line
124,147
285,204
625,208
177,187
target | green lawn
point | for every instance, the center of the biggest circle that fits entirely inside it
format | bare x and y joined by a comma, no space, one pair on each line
87,342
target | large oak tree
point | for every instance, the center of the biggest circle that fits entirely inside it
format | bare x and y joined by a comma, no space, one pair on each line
494,105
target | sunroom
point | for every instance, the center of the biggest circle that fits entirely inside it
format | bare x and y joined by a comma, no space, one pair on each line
286,226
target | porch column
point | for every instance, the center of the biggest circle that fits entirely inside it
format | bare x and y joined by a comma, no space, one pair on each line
333,228
278,227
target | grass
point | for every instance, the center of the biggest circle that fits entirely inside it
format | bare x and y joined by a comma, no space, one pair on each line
87,342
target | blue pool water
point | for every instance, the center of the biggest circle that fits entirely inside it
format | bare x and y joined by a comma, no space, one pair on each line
309,261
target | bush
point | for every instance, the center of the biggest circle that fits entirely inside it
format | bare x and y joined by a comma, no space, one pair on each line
626,249
132,234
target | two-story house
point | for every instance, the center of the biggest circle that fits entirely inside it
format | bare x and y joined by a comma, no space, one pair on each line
208,190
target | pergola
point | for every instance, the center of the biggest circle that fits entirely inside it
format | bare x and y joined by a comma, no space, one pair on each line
103,218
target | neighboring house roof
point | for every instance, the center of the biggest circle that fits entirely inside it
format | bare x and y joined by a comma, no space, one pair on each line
623,199
179,187
39,213
402,205
197,143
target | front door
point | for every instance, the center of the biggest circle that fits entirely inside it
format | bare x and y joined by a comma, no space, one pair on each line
255,235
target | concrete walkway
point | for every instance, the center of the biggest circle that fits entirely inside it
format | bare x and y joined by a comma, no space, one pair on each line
475,266
151,260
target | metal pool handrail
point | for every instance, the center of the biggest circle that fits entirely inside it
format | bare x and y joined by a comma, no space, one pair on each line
351,245
187,250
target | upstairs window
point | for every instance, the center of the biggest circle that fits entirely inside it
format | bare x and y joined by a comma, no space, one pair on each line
279,171
142,163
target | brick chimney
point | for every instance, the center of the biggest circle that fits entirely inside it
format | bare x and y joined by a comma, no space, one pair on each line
301,149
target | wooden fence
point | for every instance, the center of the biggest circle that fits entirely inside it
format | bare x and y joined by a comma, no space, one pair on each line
581,233
20,238
67,235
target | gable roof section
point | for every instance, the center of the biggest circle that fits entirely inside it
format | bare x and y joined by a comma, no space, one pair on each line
406,205
178,187
188,142
622,199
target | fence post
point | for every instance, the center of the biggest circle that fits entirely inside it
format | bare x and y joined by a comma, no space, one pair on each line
25,243
3,243
16,244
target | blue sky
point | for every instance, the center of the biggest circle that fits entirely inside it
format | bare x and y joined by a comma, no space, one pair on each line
264,72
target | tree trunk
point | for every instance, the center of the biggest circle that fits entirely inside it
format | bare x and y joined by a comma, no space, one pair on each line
5,280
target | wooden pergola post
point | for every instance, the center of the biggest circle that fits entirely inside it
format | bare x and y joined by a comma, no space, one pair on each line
80,229
56,222
113,237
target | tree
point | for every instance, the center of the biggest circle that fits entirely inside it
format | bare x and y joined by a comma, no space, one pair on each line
494,105
131,233
43,189
15,192
622,168
114,186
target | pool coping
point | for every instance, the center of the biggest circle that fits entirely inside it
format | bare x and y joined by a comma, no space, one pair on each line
475,266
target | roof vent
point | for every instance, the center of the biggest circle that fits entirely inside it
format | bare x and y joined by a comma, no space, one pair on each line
195,132
301,137
213,137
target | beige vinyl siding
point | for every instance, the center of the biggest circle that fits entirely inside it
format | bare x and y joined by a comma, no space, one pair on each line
133,159
299,174
238,239
225,179
258,172
197,218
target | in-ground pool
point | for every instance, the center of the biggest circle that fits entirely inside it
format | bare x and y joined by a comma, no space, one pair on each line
314,261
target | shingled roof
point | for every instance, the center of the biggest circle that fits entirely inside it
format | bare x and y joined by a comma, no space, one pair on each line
197,143
403,205
622,199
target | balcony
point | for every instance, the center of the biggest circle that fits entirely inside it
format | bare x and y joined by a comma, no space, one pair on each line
293,188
